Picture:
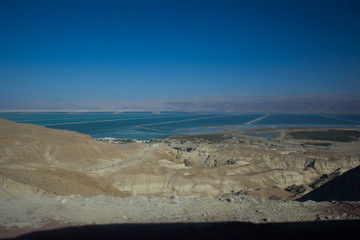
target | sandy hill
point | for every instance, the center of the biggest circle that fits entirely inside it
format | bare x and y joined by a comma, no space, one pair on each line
49,160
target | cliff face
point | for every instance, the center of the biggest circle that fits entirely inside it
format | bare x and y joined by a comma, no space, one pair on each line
214,170
63,162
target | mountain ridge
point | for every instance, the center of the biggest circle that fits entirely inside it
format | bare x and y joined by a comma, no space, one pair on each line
278,103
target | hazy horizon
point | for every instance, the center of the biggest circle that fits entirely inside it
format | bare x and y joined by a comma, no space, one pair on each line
78,51
270,104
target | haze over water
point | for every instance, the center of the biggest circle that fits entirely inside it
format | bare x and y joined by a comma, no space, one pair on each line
146,125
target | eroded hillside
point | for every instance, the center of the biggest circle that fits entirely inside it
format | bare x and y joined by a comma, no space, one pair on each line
44,159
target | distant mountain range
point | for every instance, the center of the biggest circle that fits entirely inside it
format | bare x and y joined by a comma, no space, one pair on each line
281,103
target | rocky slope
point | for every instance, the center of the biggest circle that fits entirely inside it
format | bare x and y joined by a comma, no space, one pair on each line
52,175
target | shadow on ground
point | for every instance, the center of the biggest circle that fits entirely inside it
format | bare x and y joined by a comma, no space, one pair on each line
343,188
223,230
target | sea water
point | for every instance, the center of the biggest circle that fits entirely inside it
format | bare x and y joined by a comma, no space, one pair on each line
148,125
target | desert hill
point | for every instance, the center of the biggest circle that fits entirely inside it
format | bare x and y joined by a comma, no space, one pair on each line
187,166
218,177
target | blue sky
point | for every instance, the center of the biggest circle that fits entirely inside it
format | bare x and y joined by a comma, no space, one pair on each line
70,50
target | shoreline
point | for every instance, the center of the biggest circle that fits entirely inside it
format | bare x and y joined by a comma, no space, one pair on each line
234,131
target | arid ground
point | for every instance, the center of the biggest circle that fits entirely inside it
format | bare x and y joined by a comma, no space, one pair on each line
56,178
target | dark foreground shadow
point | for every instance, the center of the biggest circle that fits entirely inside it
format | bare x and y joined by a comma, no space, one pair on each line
343,188
223,230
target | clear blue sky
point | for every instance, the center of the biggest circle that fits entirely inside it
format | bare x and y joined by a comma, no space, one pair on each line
67,50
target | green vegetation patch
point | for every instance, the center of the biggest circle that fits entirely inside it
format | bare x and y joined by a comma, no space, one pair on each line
322,144
330,135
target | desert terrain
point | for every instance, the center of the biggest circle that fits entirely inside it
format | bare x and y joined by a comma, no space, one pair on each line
56,178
